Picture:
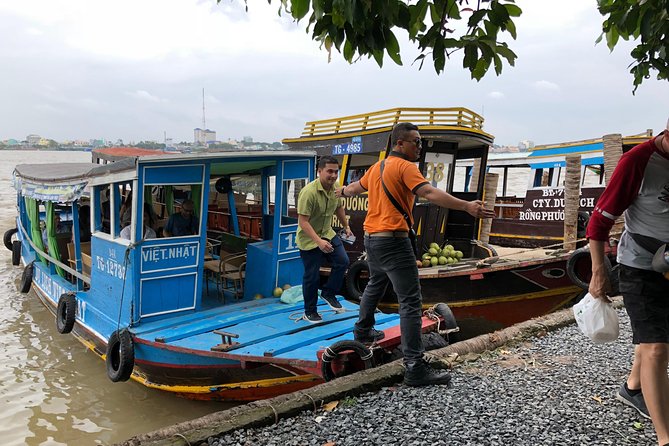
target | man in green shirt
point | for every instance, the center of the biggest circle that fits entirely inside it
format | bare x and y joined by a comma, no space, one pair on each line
317,240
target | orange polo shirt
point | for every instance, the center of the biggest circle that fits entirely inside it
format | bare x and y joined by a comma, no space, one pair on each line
403,179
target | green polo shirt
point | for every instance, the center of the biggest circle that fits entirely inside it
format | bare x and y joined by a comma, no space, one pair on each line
320,205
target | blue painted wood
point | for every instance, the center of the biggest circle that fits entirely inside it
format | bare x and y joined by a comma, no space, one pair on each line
181,174
233,212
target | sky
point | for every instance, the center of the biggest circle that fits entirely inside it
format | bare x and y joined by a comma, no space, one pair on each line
135,70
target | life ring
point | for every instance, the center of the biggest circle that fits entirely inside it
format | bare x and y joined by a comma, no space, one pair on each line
354,284
120,356
330,354
66,312
27,278
16,252
8,237
579,267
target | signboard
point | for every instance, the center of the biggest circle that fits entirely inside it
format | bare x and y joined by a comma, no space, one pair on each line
355,146
169,257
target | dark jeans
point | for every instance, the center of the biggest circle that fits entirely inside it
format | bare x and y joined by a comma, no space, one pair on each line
312,260
391,260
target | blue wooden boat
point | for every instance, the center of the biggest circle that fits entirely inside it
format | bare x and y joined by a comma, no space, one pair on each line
189,314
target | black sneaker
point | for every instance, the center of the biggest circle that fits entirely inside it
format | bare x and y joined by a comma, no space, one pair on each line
419,373
314,318
332,302
370,337
635,401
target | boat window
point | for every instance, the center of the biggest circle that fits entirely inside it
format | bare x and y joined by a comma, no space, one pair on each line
358,165
593,175
438,169
291,190
179,210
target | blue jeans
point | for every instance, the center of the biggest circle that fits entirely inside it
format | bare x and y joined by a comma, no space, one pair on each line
391,260
312,260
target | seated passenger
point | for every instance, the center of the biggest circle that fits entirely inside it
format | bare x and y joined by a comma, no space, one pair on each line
84,223
183,223
61,228
148,222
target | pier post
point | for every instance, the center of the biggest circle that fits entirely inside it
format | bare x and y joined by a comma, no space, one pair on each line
613,150
489,197
476,173
572,195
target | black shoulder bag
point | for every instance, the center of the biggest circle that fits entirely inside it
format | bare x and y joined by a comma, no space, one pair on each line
405,215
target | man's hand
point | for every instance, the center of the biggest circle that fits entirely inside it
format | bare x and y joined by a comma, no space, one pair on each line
339,192
348,231
325,246
475,209
599,284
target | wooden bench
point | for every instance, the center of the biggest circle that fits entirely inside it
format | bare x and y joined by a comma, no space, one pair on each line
86,261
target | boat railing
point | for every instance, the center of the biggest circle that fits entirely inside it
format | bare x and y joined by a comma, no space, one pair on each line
57,262
441,117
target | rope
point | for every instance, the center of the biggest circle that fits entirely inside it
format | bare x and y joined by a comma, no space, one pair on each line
276,415
555,245
184,438
431,314
312,401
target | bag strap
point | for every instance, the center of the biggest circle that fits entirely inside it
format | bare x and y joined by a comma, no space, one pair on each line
392,199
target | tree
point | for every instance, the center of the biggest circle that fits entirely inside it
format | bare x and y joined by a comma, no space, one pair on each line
440,28
645,20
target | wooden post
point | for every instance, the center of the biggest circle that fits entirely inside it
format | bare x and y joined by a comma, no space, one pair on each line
613,150
572,195
489,197
476,172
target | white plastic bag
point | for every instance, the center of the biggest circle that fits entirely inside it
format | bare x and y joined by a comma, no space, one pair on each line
597,319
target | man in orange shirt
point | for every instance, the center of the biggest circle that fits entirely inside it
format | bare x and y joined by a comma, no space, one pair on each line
389,251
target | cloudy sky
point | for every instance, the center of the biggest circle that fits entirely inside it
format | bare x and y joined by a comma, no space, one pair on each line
129,69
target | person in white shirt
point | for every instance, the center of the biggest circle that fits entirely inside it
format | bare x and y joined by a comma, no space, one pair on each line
148,230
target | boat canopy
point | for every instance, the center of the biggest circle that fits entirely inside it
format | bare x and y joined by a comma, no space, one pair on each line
62,183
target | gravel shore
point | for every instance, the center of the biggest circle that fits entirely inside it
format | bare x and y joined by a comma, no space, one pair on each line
558,389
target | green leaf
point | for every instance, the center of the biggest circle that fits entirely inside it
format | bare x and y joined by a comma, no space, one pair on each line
476,17
349,52
392,47
511,28
480,69
612,38
513,10
378,57
300,8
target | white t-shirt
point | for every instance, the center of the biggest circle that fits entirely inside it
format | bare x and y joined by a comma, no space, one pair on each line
148,233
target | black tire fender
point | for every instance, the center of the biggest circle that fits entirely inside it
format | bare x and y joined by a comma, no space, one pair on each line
352,279
445,312
577,257
7,238
487,246
332,352
66,313
16,252
27,278
120,358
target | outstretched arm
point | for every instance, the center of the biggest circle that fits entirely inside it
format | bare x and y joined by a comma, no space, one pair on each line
439,197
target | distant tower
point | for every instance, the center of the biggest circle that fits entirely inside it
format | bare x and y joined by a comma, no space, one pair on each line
204,121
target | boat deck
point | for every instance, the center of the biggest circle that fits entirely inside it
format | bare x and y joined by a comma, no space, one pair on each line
266,328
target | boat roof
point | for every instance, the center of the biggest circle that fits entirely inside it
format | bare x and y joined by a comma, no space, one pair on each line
66,173
372,130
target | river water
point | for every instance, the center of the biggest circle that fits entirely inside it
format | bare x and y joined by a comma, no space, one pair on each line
53,391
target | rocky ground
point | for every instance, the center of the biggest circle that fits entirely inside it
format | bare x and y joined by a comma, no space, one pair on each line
558,389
